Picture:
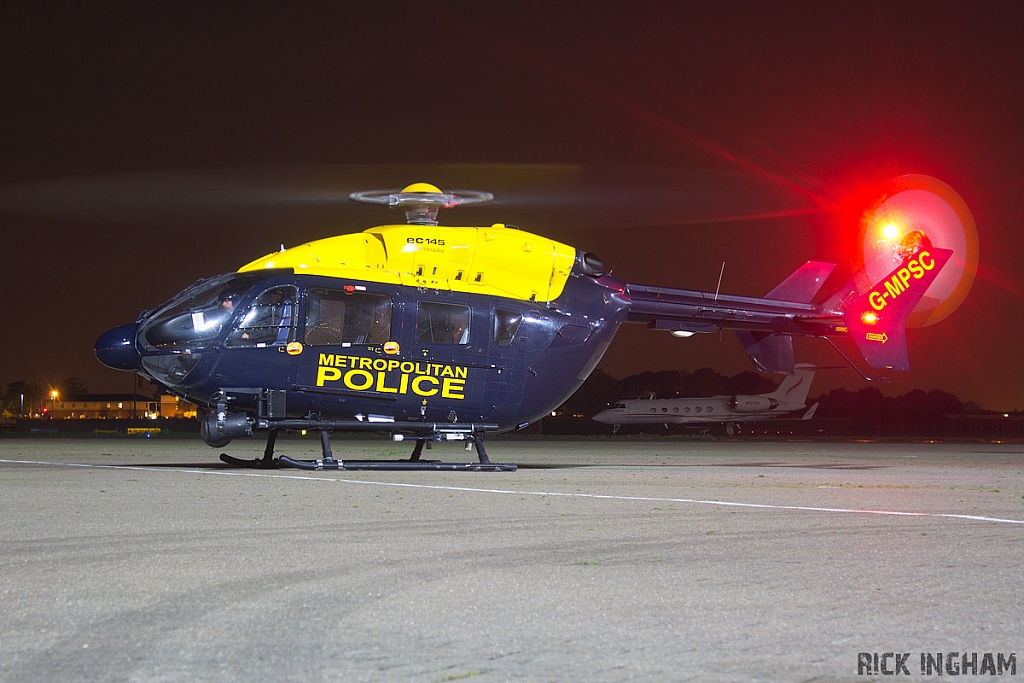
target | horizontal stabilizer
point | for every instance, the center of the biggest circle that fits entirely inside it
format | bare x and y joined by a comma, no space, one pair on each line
876,318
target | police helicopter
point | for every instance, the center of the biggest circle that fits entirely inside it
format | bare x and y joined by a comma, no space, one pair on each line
433,333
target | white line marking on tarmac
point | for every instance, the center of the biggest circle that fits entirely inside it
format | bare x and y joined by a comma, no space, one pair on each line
469,489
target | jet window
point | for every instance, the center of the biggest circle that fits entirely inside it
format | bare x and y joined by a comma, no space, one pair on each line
269,320
505,326
442,323
336,316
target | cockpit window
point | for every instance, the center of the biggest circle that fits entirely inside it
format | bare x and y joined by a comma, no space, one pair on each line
346,316
269,320
196,316
505,326
440,323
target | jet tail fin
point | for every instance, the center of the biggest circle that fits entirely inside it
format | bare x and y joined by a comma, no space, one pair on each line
810,412
795,387
876,319
774,352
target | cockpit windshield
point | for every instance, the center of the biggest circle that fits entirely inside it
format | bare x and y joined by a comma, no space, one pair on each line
196,316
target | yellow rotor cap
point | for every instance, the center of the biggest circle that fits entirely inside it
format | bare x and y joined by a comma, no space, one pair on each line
422,187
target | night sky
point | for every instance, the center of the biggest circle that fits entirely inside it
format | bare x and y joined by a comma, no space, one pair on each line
142,148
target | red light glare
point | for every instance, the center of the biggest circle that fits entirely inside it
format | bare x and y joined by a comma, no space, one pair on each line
924,212
869,318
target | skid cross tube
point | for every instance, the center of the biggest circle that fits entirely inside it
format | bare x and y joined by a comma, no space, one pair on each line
424,434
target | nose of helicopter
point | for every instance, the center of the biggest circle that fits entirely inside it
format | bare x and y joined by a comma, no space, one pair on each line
116,348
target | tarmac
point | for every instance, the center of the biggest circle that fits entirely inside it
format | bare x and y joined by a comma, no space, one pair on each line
598,560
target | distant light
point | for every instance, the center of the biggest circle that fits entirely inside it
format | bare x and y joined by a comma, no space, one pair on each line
1006,415
554,414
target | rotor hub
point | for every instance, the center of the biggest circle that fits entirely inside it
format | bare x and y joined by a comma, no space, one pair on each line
422,201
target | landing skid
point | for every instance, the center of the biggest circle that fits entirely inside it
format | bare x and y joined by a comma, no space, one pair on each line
328,462
267,462
397,465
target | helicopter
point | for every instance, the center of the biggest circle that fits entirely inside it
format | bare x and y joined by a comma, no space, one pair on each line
433,333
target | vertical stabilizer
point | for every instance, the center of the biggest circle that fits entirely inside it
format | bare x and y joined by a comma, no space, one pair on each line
876,319
795,387
774,352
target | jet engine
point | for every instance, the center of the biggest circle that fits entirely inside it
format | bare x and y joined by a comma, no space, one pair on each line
752,404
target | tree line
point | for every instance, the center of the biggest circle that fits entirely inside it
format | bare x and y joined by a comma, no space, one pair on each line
868,403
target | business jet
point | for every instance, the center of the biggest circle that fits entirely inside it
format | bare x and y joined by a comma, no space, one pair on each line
701,413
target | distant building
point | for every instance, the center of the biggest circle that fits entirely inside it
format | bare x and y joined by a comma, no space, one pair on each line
105,406
121,407
172,406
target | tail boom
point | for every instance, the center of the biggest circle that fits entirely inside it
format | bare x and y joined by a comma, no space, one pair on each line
874,314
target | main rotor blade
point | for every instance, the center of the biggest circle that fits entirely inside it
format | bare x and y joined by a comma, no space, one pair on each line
574,196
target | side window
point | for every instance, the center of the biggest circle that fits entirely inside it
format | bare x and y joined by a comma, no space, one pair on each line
442,323
504,326
269,320
337,316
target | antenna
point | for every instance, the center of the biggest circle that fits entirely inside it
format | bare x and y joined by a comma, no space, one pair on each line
719,287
